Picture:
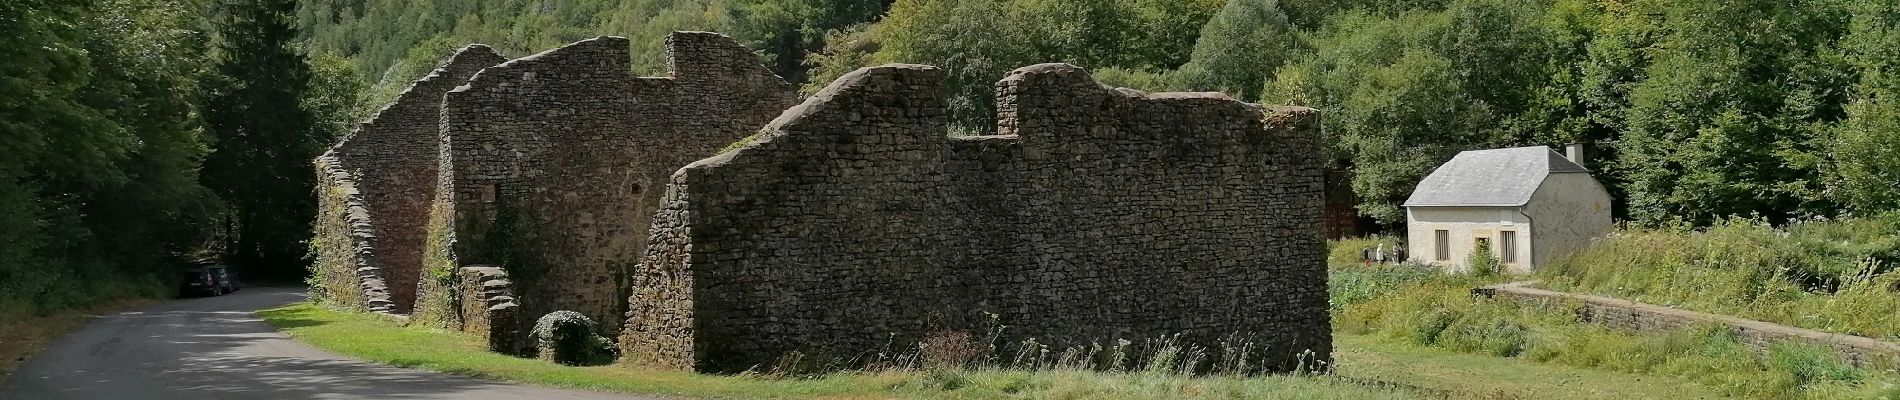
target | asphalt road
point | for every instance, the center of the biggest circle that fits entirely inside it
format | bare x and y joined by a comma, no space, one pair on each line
216,348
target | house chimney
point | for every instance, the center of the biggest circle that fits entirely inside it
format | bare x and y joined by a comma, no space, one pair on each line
1574,152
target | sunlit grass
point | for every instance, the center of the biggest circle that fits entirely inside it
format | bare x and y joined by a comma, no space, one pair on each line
383,341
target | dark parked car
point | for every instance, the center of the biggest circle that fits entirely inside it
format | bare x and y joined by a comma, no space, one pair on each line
210,280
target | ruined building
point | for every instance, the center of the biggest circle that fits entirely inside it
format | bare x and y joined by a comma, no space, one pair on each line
851,223
1093,214
544,167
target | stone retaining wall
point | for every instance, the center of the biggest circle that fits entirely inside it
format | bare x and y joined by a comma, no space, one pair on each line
854,224
1640,317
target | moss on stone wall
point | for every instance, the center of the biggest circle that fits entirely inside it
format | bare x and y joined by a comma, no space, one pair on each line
333,281
435,298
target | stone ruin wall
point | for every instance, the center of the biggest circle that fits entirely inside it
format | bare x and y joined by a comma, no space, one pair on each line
378,183
855,225
551,165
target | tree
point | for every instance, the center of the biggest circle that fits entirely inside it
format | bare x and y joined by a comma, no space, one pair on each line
1239,49
100,136
1726,114
1867,145
1404,93
787,30
263,138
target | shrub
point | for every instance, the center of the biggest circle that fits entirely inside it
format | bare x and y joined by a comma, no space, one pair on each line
569,338
1482,262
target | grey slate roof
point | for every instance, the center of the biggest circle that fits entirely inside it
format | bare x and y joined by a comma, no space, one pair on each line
1497,177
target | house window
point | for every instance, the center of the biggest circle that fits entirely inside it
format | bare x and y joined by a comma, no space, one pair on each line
1442,244
1507,246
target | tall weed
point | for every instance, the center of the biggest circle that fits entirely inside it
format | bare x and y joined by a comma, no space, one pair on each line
1835,276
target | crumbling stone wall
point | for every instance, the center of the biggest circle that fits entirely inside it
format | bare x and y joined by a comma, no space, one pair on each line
551,163
489,308
344,270
380,181
854,224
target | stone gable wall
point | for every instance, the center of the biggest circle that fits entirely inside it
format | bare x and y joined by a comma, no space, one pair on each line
551,162
383,178
854,225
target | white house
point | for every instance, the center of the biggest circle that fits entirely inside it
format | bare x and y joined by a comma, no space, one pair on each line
1530,204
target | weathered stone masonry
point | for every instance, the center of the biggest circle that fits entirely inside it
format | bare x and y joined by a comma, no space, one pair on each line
854,223
552,163
379,182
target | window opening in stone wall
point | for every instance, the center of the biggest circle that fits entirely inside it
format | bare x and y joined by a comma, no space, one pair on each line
1507,246
1442,241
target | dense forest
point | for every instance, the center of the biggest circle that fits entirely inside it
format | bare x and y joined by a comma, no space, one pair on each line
1695,110
136,132
140,136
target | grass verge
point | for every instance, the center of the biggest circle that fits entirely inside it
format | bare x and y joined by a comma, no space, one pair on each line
1370,369
383,341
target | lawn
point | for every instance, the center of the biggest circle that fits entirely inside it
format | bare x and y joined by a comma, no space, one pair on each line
1369,370
1429,368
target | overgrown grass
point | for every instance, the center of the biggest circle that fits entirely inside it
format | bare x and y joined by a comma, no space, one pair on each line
1367,369
1341,252
1835,276
381,340
1442,313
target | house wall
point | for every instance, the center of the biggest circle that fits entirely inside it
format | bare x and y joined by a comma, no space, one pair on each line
1571,209
1466,224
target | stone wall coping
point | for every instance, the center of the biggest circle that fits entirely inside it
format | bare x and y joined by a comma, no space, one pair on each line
1526,288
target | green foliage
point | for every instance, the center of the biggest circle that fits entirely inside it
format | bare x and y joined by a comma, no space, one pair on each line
1349,284
1442,313
1405,91
1482,262
1835,276
786,30
1238,48
568,338
1867,146
1720,119
100,136
368,337
976,42
335,96
1697,110
264,137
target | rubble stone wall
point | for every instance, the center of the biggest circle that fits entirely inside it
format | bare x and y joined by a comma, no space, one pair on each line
853,224
383,174
489,308
551,163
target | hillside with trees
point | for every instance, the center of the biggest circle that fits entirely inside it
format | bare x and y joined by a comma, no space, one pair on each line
137,137
141,133
1696,110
